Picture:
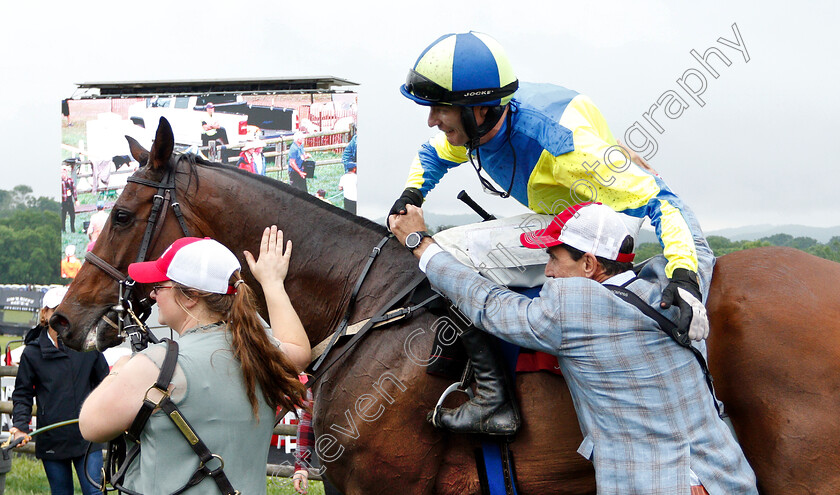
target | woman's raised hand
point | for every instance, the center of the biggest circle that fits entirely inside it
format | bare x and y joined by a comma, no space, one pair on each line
272,266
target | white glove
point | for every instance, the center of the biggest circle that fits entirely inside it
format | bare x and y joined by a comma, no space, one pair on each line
699,328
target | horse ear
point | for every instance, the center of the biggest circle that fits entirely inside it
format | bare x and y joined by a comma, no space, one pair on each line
163,146
137,150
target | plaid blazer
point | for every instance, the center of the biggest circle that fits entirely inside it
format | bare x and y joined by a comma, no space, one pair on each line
643,405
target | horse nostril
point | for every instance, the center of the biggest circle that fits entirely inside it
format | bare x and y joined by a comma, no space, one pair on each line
60,324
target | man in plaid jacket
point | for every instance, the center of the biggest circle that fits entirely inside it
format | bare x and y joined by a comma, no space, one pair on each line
648,419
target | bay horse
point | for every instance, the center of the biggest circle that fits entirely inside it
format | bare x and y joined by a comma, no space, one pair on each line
774,347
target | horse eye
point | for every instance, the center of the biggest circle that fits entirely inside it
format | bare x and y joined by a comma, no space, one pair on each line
122,217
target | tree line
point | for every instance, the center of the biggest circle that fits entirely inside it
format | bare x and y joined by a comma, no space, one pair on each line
30,238
721,245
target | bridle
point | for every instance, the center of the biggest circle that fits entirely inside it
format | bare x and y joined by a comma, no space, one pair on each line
135,328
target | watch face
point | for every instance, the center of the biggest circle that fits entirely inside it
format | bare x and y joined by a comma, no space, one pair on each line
413,240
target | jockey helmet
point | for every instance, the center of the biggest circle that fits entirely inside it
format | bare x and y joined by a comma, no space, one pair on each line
465,69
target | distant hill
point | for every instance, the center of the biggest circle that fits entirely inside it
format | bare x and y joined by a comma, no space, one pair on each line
755,232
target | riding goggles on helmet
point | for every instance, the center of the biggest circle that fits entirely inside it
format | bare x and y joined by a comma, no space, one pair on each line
430,91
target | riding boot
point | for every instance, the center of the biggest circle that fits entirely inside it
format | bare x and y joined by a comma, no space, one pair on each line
493,410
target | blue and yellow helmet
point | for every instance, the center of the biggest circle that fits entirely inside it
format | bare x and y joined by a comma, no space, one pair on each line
465,69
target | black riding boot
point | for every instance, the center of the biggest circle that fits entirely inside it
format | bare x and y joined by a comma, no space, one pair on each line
493,410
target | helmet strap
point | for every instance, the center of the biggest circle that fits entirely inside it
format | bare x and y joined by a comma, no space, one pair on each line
476,163
474,131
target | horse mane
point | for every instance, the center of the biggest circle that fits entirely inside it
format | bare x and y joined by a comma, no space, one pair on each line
195,160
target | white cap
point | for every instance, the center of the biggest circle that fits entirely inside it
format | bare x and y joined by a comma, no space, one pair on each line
588,227
53,297
202,264
70,250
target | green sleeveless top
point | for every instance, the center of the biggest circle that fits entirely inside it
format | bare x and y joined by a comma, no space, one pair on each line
209,390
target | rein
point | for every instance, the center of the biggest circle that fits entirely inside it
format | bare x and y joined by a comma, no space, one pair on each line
343,325
136,329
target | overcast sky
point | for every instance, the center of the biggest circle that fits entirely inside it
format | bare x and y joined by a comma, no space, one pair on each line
758,150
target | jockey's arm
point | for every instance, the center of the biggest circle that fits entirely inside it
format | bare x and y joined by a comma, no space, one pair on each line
432,161
597,170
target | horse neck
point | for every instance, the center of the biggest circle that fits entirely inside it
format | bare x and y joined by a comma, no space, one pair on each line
330,247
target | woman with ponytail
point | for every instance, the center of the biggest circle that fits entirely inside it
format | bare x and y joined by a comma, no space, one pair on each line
231,374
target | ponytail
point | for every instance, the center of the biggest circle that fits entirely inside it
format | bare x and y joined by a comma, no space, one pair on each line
262,362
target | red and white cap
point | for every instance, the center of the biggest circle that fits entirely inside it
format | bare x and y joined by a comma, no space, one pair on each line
588,227
202,264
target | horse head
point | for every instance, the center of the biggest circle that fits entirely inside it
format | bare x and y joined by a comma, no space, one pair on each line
89,315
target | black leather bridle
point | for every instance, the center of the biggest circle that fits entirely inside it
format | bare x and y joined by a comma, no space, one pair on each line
135,328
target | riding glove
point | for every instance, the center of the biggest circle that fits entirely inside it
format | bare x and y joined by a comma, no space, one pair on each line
684,291
411,196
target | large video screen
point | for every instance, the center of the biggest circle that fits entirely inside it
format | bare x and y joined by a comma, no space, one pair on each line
255,132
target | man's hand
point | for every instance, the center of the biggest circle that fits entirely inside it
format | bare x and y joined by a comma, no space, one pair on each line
404,224
411,196
638,160
16,433
684,291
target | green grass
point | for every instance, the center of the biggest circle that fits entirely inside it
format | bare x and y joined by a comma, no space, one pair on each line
326,178
27,478
5,339
71,135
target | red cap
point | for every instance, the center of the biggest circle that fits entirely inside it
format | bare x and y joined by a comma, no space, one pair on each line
202,264
588,227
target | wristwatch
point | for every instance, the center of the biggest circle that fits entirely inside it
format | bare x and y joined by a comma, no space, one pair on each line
414,239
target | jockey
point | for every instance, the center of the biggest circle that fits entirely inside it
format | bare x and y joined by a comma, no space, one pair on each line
546,146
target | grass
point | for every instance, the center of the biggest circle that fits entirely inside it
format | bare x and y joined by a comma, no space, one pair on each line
326,178
27,478
5,339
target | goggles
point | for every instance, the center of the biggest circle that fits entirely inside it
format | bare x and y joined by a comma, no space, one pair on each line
426,89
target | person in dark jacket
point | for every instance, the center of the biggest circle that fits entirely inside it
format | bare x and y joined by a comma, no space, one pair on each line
59,379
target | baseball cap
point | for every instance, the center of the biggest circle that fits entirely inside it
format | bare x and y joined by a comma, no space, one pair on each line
589,227
203,264
53,297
